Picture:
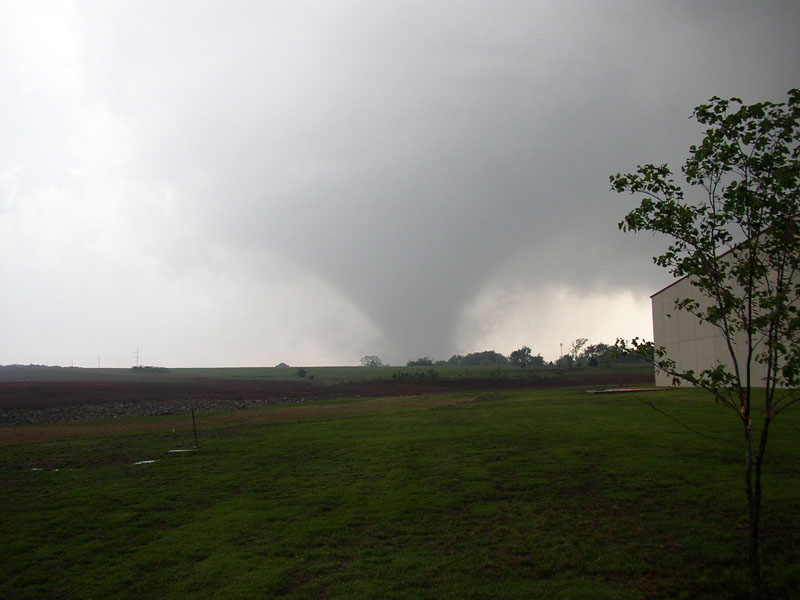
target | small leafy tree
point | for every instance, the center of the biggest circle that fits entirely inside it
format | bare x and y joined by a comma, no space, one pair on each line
737,241
520,357
370,360
576,347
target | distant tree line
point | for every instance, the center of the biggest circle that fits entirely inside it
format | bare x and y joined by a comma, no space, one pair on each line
521,358
485,358
593,355
579,354
148,369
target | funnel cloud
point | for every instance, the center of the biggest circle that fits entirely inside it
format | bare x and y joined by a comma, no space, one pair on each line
245,183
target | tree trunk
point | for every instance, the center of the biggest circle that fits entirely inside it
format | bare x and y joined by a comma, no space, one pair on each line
755,559
753,489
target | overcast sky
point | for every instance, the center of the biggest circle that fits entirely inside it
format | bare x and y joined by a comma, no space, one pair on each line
244,183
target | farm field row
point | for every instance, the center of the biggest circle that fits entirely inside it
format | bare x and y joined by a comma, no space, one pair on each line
48,395
318,375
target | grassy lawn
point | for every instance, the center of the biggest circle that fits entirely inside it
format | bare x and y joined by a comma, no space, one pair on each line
546,494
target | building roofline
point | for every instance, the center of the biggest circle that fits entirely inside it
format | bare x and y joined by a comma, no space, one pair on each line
677,281
666,287
728,251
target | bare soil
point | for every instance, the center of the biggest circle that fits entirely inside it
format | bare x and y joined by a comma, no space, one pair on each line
57,401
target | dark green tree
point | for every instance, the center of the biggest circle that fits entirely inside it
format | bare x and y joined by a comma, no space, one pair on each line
520,357
487,357
370,360
736,238
424,361
537,361
597,355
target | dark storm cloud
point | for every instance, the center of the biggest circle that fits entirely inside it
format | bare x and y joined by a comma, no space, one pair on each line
412,154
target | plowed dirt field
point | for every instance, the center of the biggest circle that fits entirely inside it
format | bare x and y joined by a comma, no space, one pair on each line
55,401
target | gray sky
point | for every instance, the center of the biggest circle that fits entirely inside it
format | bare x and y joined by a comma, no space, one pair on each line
243,183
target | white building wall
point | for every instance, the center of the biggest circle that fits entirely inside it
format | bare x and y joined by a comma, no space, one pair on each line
692,344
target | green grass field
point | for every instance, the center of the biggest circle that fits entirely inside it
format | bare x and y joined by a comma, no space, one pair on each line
545,494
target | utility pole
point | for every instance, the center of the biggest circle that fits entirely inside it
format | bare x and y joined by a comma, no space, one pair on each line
137,358
194,423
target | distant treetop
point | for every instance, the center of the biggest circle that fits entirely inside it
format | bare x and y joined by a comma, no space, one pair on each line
370,360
